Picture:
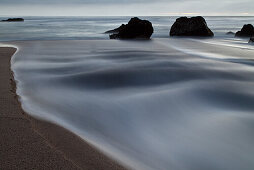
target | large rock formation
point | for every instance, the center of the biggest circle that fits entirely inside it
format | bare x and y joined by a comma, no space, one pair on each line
13,20
246,31
135,29
194,26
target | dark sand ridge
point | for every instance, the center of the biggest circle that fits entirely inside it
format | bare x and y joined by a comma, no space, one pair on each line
28,143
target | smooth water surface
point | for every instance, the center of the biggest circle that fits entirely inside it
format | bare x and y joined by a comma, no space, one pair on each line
83,28
179,104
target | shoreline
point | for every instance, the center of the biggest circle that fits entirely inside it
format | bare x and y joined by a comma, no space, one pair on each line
36,144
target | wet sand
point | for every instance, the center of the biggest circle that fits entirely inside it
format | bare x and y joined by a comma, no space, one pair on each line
28,143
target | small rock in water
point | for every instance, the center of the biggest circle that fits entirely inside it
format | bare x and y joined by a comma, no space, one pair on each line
230,33
194,26
135,29
251,40
14,20
246,31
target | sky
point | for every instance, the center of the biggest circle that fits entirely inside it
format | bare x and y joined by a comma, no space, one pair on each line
126,7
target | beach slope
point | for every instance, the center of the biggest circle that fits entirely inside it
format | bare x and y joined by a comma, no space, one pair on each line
27,143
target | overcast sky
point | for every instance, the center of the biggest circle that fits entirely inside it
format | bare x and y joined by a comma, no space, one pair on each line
126,7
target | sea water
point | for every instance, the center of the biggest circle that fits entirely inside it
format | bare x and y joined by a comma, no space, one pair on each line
167,103
82,28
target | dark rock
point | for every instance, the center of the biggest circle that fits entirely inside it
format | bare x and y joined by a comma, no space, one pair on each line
14,20
135,29
117,30
194,26
246,31
230,33
251,40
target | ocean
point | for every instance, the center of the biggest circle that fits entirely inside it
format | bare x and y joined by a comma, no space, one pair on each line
165,103
83,28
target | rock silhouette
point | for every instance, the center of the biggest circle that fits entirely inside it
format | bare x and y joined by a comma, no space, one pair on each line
13,20
117,30
251,40
230,33
135,29
246,31
194,26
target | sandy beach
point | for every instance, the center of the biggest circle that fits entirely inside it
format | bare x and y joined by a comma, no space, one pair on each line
28,143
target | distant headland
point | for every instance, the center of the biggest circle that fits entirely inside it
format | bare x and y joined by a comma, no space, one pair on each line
14,20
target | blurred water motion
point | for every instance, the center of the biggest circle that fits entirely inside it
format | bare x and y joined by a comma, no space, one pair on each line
162,104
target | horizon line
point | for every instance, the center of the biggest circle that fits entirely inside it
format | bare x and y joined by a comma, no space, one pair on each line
125,15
